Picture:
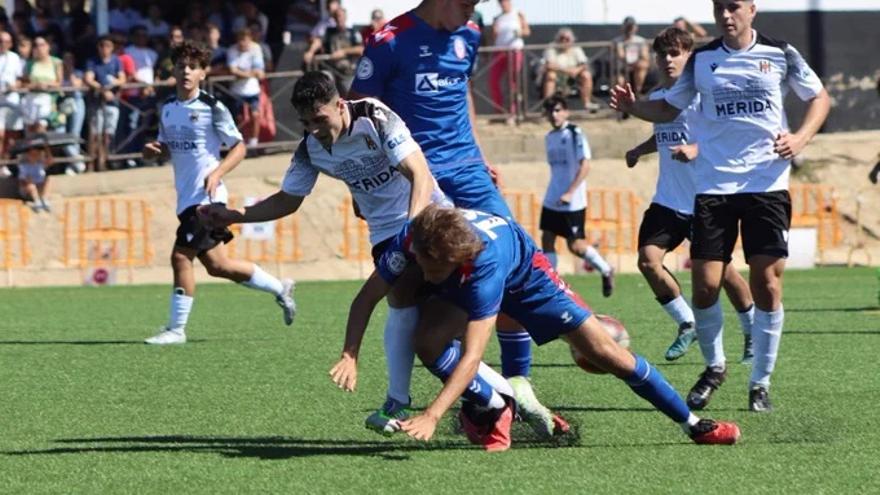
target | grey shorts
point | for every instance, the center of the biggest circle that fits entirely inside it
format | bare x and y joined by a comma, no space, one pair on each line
10,119
104,119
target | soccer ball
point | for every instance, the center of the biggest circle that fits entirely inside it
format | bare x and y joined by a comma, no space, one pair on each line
615,329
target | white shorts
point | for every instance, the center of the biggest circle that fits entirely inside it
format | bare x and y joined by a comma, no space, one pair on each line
37,107
104,119
10,119
32,173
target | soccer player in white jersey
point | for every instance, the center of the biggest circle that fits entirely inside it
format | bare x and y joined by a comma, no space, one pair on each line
742,174
565,203
667,221
367,146
192,128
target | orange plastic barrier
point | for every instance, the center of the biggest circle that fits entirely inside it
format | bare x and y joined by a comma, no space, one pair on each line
15,249
815,205
282,248
106,231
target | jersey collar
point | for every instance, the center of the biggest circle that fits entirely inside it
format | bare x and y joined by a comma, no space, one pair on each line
751,45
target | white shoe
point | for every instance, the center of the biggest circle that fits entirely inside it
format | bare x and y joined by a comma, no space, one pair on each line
285,300
530,410
167,336
5,172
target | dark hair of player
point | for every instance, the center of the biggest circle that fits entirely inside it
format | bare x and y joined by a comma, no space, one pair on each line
555,99
443,234
671,38
191,52
314,89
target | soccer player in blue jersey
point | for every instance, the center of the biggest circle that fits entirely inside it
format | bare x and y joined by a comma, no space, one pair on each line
484,264
742,174
420,65
667,221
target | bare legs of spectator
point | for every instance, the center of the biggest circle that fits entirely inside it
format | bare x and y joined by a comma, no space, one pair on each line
639,71
255,125
585,86
505,66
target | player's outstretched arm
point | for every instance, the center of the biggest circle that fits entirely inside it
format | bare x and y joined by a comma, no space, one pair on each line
790,145
646,147
623,99
344,372
274,207
415,168
476,337
230,161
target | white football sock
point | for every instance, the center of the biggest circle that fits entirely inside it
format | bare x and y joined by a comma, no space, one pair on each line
554,259
766,334
492,377
710,329
399,350
747,319
679,310
181,305
692,420
596,260
496,402
261,280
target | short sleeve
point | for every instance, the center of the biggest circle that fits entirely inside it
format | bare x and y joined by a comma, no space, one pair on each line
581,56
799,76
161,135
301,175
373,69
683,92
397,142
258,62
224,125
582,146
549,55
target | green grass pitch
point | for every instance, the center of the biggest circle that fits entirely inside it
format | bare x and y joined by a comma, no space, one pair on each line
247,406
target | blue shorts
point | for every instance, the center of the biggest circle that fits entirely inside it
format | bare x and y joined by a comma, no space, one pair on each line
545,305
471,187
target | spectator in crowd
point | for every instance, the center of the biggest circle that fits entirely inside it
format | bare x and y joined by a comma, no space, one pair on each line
21,25
690,27
122,17
632,54
343,45
326,22
33,183
302,16
377,22
155,24
11,70
24,47
259,39
81,33
218,52
248,13
47,28
143,101
103,75
508,31
73,106
42,74
245,61
566,65
220,15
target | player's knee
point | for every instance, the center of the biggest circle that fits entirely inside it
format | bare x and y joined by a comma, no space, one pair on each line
649,266
215,268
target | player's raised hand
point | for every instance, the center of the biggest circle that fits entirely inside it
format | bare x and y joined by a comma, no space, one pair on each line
152,149
622,98
212,182
344,373
420,427
632,158
788,145
685,153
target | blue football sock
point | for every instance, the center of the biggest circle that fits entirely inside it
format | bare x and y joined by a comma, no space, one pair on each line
479,391
516,353
652,386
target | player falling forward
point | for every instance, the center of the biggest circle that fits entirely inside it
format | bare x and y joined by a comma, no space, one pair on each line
368,147
420,65
667,221
192,127
565,202
484,264
742,178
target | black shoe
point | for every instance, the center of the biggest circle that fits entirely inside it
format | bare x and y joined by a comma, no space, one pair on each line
759,399
701,392
608,283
